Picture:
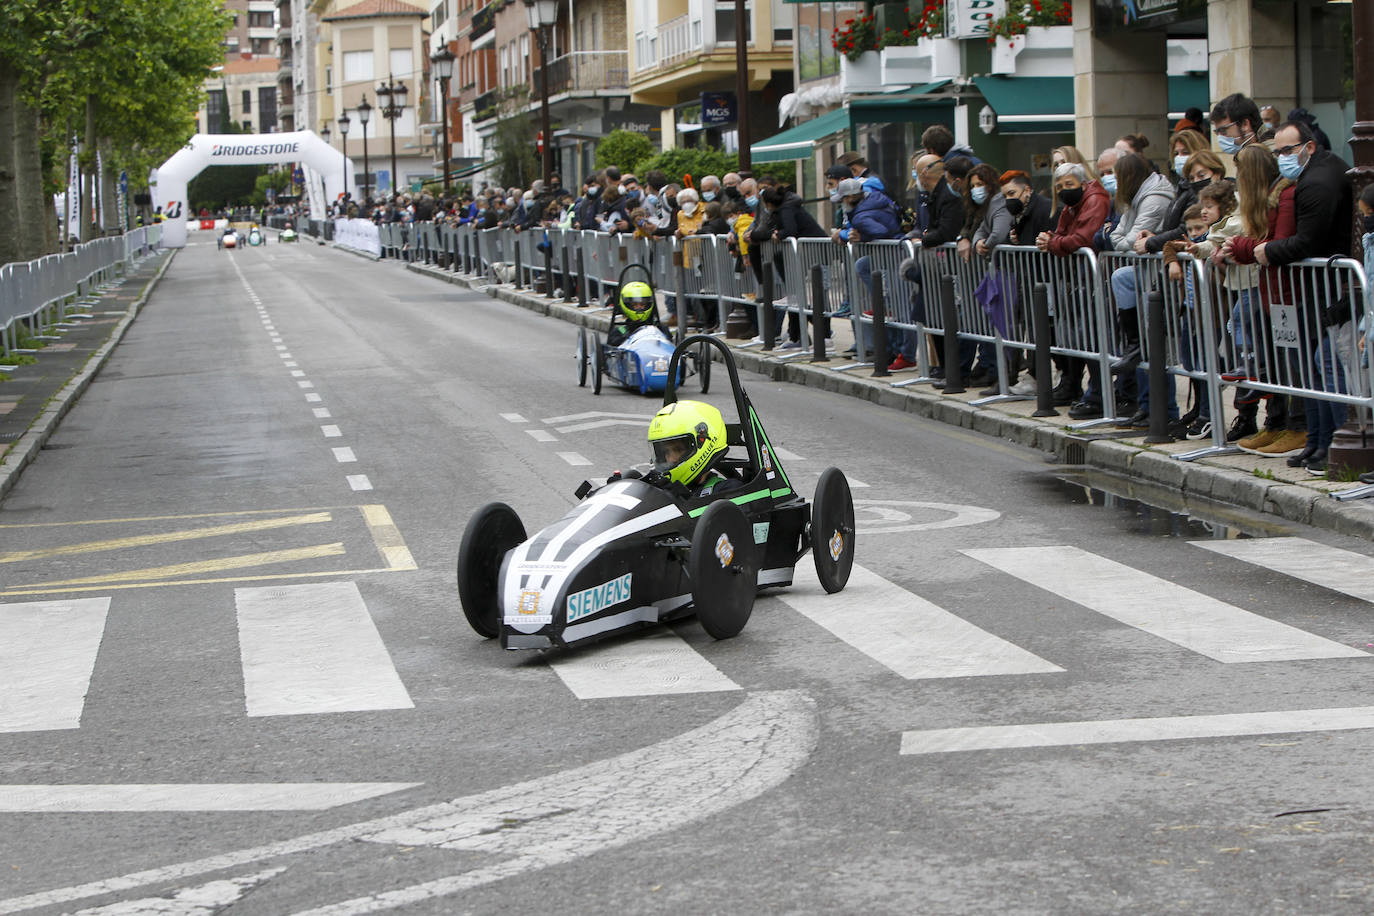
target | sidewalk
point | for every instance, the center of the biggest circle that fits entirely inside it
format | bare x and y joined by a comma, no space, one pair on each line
34,398
1260,484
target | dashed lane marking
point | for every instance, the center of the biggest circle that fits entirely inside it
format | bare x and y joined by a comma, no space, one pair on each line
513,418
574,459
344,455
330,432
542,435
359,482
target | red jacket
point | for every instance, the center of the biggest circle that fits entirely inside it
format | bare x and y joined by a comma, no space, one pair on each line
1283,223
1077,225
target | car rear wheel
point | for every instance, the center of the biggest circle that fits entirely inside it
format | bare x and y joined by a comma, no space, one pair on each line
581,357
832,530
724,570
491,533
598,365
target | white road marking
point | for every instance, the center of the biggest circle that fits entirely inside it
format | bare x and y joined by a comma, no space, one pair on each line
281,347
602,424
1340,570
1180,615
322,413
646,665
513,418
291,364
306,384
591,415
285,356
724,763
855,483
203,900
359,481
344,455
786,455
886,516
574,459
1117,731
298,373
47,654
252,796
313,398
313,649
542,435
330,431
904,632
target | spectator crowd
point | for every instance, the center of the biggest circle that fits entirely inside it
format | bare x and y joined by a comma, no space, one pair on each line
1284,198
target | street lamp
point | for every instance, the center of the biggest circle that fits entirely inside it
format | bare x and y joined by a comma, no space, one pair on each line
344,123
364,115
542,15
392,95
442,60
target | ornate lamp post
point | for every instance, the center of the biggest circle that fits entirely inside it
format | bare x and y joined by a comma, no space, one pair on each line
442,61
344,123
364,115
542,15
392,95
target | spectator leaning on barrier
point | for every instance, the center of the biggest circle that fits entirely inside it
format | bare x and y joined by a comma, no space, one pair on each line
1324,202
1183,144
1029,211
789,219
714,223
1085,206
710,189
956,172
1058,156
946,216
1106,175
858,168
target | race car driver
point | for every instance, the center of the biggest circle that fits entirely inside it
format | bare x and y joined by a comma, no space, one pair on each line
688,438
637,308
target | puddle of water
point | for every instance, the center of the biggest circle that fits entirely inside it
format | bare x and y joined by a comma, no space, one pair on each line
1165,514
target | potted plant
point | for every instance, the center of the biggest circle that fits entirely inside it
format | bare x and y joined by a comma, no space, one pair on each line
1043,27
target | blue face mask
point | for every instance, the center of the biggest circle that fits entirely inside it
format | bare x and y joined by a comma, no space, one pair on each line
979,194
752,200
834,197
1228,145
1290,167
1109,183
708,196
653,200
915,175
1179,162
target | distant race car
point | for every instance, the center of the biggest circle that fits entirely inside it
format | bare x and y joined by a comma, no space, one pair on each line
287,235
640,361
255,237
230,239
632,554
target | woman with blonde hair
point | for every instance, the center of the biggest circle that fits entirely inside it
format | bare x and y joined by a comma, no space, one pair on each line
1184,143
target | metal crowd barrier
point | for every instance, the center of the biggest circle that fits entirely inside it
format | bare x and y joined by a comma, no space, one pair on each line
36,295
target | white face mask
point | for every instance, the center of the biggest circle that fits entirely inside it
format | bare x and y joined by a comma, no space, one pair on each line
689,207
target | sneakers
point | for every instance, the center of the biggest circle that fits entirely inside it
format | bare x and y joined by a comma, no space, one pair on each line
1138,420
1288,442
1199,429
1316,465
1241,427
1024,389
1300,460
900,363
790,345
1239,374
1256,441
843,311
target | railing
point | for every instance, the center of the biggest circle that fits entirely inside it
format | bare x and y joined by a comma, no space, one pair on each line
678,39
586,71
34,295
483,21
485,106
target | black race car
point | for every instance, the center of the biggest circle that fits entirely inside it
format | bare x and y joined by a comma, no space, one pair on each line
632,554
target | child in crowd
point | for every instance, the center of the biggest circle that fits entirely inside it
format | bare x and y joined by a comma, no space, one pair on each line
1197,227
644,228
714,223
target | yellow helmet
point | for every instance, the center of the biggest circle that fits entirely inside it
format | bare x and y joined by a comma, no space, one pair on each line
688,437
637,301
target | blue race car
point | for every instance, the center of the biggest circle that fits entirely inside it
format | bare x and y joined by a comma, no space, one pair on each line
640,362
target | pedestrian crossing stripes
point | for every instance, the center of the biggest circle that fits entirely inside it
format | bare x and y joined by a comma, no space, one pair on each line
1180,615
1341,571
47,654
349,667
904,632
314,649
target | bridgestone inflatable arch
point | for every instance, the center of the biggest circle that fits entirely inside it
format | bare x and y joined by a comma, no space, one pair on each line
205,150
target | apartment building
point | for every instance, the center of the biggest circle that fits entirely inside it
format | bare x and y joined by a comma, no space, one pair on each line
253,29
244,92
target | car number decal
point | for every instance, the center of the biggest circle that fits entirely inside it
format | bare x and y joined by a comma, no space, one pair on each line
836,545
725,551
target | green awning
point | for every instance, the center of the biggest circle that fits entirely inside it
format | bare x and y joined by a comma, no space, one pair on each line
906,106
1029,104
800,141
1188,92
472,169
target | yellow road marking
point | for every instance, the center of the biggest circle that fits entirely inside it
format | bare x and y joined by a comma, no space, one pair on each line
168,537
174,518
111,587
204,566
388,538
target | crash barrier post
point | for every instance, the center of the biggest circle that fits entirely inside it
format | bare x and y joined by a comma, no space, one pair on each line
548,266
880,360
1044,367
767,324
581,278
817,312
680,275
954,374
515,245
1159,369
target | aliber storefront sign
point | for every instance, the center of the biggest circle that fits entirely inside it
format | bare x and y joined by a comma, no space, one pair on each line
972,18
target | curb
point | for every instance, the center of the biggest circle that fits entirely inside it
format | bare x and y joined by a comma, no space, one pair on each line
1206,483
27,447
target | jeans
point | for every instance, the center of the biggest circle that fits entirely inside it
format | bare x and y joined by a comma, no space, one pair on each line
1325,417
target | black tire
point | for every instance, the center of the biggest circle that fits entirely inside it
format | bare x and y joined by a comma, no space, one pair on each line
492,532
598,365
724,570
581,357
832,530
704,368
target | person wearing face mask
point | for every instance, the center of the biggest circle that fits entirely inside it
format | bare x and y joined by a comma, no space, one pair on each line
1106,164
1236,122
788,218
1085,206
1200,169
589,205
1184,143
710,189
1323,199
1030,212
